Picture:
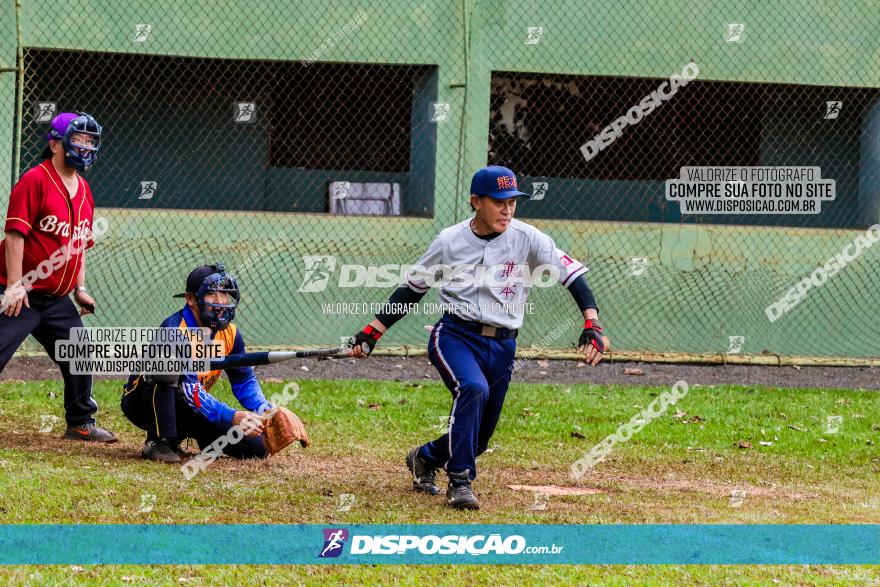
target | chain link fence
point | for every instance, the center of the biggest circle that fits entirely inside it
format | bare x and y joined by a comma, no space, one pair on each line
315,149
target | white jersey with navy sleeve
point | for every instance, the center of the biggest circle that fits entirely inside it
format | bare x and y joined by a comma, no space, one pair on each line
489,281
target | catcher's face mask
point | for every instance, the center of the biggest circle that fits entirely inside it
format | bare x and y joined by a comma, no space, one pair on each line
217,299
81,140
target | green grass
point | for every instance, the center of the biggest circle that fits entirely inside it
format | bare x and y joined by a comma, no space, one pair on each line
681,468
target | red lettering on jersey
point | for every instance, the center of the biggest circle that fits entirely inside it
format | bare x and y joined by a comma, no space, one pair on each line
508,291
509,268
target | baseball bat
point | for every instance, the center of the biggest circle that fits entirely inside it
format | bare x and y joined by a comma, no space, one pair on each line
267,357
253,359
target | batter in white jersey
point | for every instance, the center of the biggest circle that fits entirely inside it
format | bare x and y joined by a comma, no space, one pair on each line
484,269
488,280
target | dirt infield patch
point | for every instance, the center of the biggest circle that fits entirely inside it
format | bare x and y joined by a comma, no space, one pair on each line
555,489
713,487
561,371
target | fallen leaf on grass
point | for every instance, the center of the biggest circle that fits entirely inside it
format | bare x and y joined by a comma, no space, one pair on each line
793,427
679,414
744,444
375,406
576,434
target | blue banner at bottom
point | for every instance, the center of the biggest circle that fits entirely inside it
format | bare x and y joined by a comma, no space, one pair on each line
439,544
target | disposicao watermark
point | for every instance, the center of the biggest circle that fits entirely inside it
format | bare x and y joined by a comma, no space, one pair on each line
329,43
236,434
796,294
625,431
79,241
665,92
114,350
319,269
542,345
750,190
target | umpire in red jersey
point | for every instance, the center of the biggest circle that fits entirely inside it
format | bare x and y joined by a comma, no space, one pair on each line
49,227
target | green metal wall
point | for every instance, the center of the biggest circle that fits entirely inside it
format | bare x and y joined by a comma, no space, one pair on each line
8,75
705,282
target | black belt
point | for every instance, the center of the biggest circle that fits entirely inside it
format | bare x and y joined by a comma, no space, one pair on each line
41,298
44,297
483,329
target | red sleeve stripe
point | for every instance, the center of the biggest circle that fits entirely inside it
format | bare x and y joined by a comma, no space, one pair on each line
571,276
414,287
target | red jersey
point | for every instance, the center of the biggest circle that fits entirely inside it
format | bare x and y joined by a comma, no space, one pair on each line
41,209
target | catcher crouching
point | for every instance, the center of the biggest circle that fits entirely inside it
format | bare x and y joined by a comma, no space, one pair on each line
171,413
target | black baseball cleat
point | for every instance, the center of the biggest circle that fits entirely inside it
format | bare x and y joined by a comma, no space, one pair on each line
158,450
177,449
175,445
459,493
89,432
424,476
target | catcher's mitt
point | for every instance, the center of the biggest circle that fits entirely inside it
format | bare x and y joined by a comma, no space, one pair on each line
282,429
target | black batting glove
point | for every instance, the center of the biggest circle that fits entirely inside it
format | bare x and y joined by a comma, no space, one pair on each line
366,339
591,336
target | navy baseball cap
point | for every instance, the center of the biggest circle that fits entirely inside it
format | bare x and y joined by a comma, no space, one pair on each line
496,182
197,276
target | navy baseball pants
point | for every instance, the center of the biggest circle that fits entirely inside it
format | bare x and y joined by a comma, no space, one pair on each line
162,412
477,371
50,318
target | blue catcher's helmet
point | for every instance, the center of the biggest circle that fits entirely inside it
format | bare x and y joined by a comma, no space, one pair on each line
78,154
213,278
